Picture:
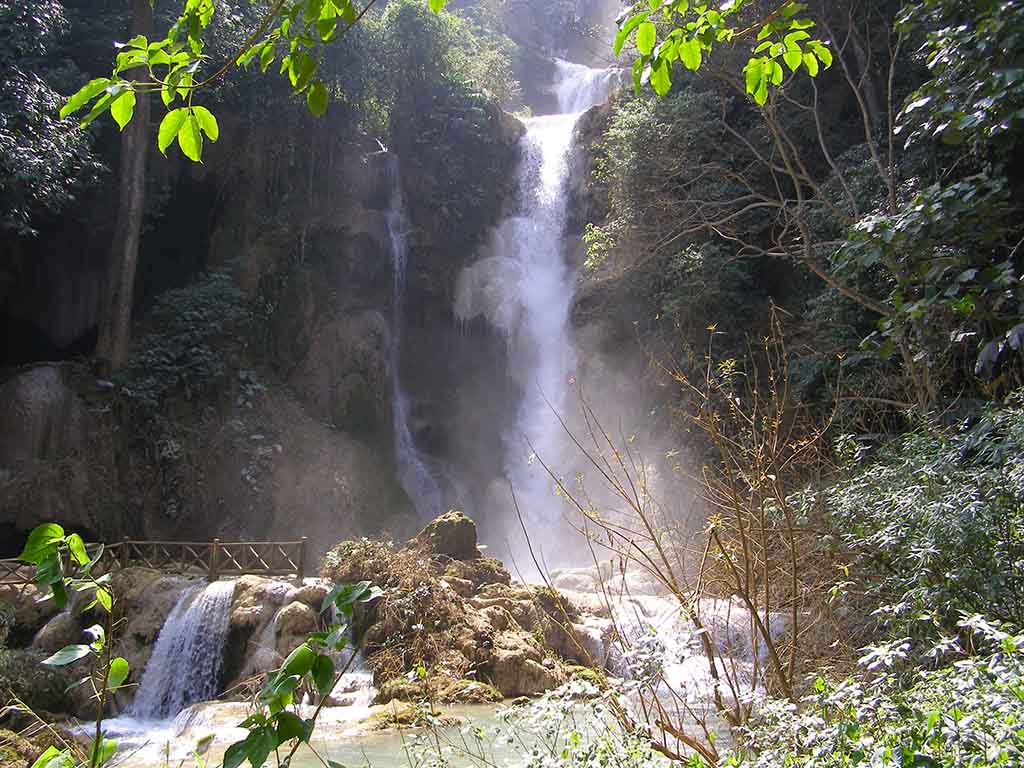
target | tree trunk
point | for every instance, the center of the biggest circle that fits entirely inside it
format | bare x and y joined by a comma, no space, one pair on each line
115,314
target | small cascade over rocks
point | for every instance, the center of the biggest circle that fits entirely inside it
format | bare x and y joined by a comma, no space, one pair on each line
186,663
413,475
355,688
525,288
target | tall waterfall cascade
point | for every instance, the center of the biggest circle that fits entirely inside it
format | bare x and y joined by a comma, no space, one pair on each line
186,663
413,475
525,287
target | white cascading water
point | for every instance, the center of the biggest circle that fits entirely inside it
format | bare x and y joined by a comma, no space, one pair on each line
525,288
189,654
414,477
355,688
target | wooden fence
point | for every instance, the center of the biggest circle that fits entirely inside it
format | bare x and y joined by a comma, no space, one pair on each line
212,558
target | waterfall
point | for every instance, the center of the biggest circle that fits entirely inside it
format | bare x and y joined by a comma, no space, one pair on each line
355,688
525,287
413,475
187,660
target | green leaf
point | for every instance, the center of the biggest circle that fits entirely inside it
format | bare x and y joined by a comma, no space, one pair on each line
289,727
77,548
691,55
646,37
42,541
104,598
50,570
259,744
438,5
823,52
753,70
316,98
793,59
235,755
661,77
207,123
190,139
812,64
169,127
67,655
83,96
323,673
54,758
122,108
60,594
267,55
100,753
626,29
118,672
299,662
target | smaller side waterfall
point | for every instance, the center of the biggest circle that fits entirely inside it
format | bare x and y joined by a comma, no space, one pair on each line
189,654
413,475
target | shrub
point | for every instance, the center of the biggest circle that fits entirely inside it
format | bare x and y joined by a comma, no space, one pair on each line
969,714
935,525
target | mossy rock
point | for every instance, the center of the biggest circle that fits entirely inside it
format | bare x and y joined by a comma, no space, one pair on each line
594,676
404,715
470,692
400,689
42,688
16,750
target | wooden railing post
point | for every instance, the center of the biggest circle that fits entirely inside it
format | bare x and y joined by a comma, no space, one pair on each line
214,551
122,556
302,558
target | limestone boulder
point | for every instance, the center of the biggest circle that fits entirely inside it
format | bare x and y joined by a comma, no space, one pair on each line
293,623
518,667
479,572
63,629
257,599
451,535
31,610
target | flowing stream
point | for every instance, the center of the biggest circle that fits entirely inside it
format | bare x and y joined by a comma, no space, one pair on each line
416,480
189,654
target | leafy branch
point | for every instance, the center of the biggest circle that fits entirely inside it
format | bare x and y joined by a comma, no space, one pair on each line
694,29
294,30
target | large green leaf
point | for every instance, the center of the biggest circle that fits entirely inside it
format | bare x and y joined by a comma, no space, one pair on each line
624,31
661,77
235,755
67,655
77,548
123,108
316,98
42,541
258,746
169,128
54,758
290,727
323,673
438,5
118,672
190,139
299,662
646,37
207,123
84,95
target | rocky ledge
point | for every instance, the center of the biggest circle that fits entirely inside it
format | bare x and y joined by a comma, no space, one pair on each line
451,625
455,612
